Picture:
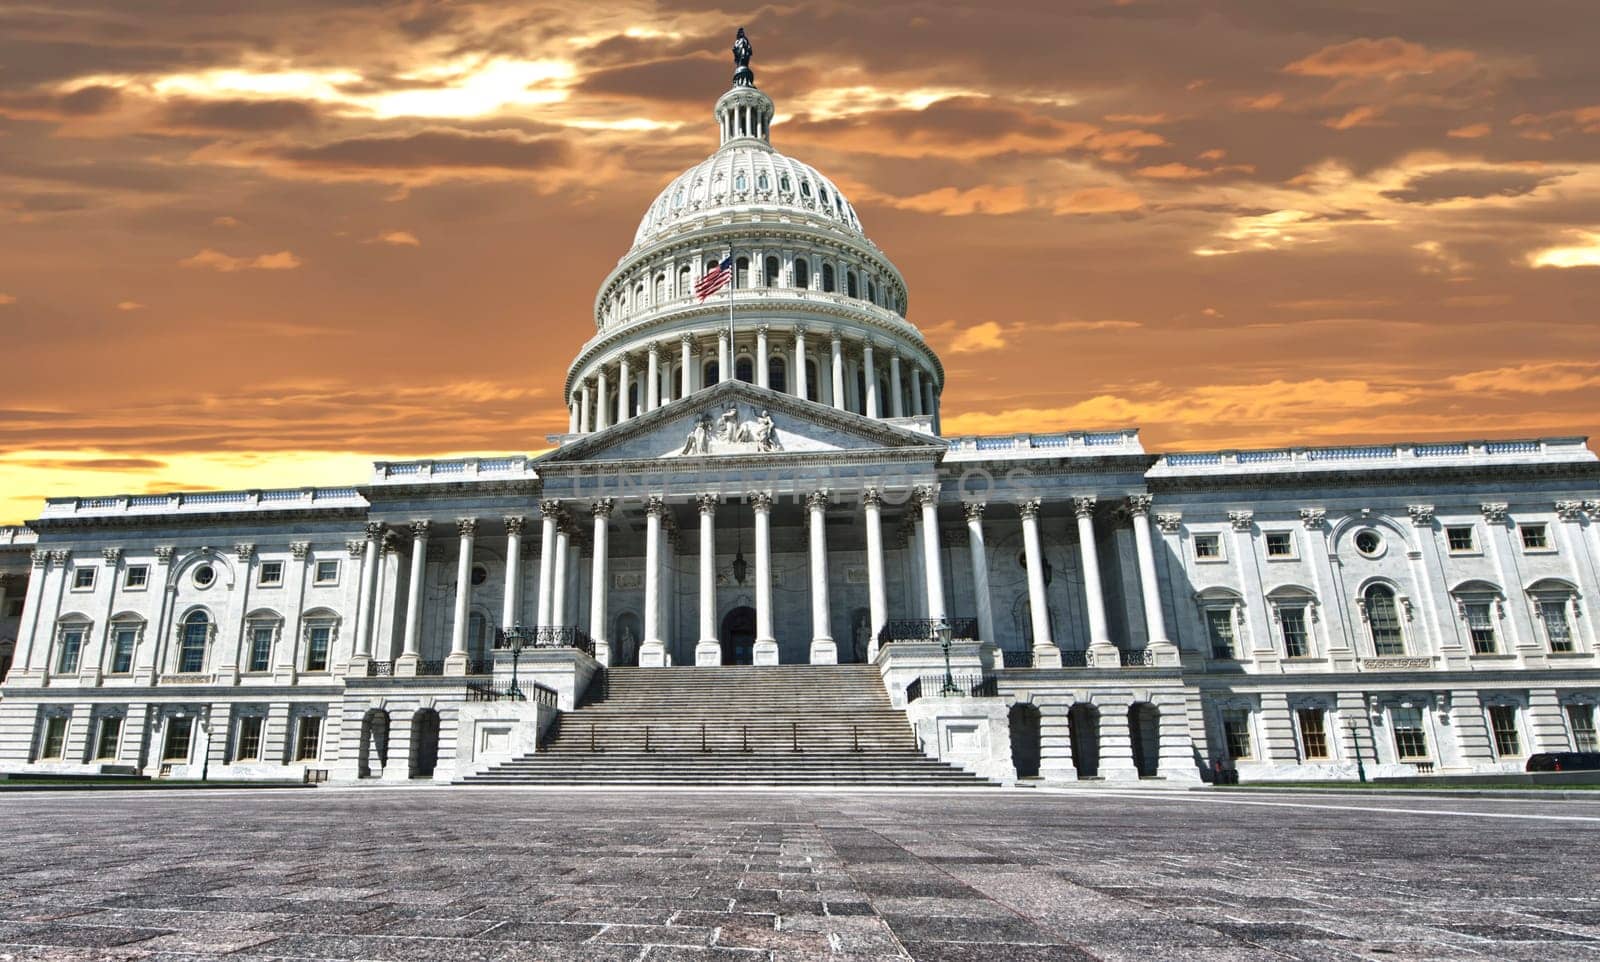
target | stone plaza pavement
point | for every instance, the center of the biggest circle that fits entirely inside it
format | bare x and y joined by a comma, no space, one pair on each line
443,875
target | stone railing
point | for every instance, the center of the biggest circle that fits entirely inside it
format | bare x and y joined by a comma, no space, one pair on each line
187,678
1397,663
182,502
1089,443
451,469
1565,449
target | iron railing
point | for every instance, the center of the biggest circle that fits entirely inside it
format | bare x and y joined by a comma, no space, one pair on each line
1075,658
380,669
924,629
971,684
498,691
480,666
548,636
430,667
1017,659
1138,658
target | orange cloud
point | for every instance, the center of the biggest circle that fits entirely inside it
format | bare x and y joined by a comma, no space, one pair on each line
227,264
1470,131
1545,377
1356,117
987,336
398,238
1098,200
1386,57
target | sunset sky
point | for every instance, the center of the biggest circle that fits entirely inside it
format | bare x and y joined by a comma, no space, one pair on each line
261,244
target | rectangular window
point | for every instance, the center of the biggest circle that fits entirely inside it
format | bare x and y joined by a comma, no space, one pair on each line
1503,722
1280,544
248,747
1207,547
1219,625
260,649
310,741
1410,740
82,578
179,731
54,744
1580,718
1480,625
105,746
271,574
1236,732
1313,732
1534,537
136,577
122,650
71,648
1556,628
1295,642
1460,538
327,572
317,648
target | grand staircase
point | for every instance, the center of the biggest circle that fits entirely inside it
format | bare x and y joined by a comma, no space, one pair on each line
791,725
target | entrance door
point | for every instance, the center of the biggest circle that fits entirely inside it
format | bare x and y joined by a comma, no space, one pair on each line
425,738
739,636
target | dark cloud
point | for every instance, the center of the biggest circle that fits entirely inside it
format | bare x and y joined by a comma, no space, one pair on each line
437,148
91,464
240,116
1442,185
688,79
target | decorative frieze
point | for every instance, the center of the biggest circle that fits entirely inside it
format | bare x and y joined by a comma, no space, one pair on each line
1494,512
244,551
1570,510
1242,520
1421,515
297,549
1313,518
1170,522
111,556
356,547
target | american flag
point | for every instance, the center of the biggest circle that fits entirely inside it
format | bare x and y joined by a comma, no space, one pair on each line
713,281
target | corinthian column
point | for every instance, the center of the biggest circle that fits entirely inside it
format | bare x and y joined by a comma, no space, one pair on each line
897,401
877,597
1045,652
928,501
550,511
724,357
652,371
558,590
584,407
600,580
838,369
407,664
762,364
823,649
508,607
800,362
600,413
708,651
456,664
686,366
871,375
980,571
653,649
364,603
624,382
916,390
1162,648
1103,653
766,646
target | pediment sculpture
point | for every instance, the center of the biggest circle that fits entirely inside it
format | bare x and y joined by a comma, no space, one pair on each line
728,434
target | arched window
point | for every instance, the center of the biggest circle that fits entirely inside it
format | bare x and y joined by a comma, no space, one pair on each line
740,182
762,183
1383,621
872,291
711,374
677,198
784,184
861,390
776,368
192,642
771,278
850,284
827,278
811,381
633,400
477,635
638,295
741,272
805,189
744,370
711,265
683,280
802,273
661,288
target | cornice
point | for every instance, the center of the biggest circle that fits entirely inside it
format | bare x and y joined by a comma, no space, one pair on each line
1368,477
187,520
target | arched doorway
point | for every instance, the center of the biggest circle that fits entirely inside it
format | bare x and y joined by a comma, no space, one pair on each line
739,636
1024,721
374,755
1144,730
425,742
1085,723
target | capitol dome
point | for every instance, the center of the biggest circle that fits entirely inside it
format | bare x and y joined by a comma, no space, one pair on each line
812,307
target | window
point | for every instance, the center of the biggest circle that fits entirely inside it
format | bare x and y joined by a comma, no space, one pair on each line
776,369
1369,543
105,745
260,648
271,574
1236,732
802,273
309,742
71,648
1556,628
204,575
771,274
1480,626
1292,622
1280,544
784,184
248,745
317,647
136,577
1219,625
1313,732
1503,723
1207,547
180,730
1410,740
1580,718
327,572
850,287
1460,539
744,370
480,574
1535,537
677,197
1383,621
192,642
54,743
741,272
827,278
762,182
740,182
82,578
122,642
805,189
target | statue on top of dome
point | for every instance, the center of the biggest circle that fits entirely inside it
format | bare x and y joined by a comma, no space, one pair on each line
743,76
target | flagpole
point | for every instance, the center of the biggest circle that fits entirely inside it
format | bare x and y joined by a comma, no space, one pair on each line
733,282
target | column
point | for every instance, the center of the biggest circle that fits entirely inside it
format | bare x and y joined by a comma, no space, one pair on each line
980,572
600,579
1165,652
761,357
456,664
870,375
623,384
1045,652
686,351
838,370
600,412
508,609
369,565
766,646
407,664
652,650
572,416
823,649
799,372
652,390
284,661
1103,653
877,596
897,402
550,510
724,357
584,408
916,390
928,500
708,651
558,591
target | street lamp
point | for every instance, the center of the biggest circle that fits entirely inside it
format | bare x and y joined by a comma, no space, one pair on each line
942,629
1355,743
516,639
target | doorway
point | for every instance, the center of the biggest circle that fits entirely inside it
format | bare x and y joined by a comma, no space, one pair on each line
739,636
425,738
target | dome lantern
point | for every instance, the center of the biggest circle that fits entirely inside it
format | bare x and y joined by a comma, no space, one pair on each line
744,113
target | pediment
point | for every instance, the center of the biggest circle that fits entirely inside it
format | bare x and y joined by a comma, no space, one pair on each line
739,420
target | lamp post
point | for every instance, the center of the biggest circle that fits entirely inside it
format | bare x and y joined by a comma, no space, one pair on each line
516,639
1355,743
942,629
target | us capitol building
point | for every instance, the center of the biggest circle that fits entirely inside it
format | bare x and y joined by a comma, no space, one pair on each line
753,485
